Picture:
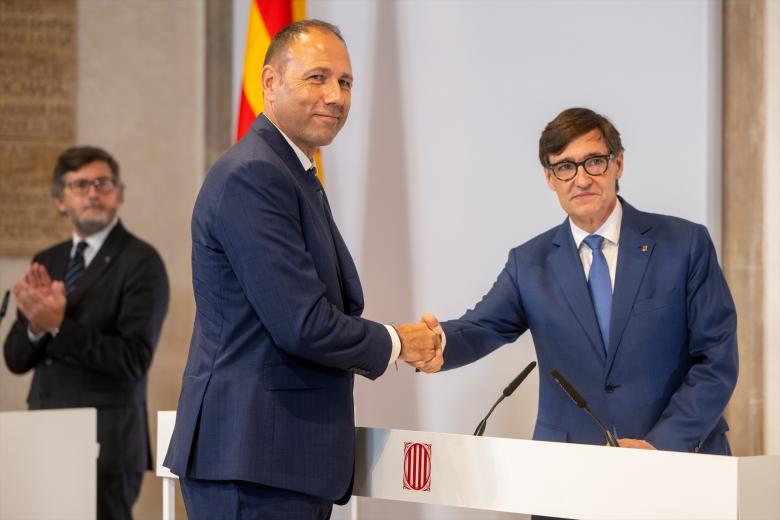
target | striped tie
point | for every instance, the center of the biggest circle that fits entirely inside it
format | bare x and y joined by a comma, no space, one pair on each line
600,286
75,267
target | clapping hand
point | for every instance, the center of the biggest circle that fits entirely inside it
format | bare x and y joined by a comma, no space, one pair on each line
41,300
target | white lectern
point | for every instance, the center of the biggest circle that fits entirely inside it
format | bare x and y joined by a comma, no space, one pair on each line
48,465
546,478
563,480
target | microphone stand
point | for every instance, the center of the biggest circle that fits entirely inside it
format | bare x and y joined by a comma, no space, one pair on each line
483,423
511,387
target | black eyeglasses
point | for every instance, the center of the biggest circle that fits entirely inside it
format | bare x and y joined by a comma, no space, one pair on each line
102,185
595,166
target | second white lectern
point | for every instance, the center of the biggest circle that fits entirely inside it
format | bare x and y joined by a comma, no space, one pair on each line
48,464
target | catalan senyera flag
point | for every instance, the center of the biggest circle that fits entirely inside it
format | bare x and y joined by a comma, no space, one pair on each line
266,18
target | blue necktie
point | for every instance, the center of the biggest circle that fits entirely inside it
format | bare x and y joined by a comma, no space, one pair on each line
600,286
75,267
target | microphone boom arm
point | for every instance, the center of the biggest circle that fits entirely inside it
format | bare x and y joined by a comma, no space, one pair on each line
511,387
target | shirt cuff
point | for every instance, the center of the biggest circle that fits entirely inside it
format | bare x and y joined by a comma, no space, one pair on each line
396,351
34,338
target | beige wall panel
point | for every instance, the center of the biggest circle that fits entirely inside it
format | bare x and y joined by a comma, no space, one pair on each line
743,210
13,388
37,105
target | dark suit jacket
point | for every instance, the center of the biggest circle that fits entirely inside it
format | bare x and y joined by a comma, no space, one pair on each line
267,391
672,362
104,348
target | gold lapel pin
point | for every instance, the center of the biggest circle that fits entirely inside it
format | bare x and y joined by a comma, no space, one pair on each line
108,258
644,248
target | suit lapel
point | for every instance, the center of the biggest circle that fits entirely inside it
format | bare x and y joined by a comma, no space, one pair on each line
103,259
351,290
634,254
333,233
567,269
59,261
271,135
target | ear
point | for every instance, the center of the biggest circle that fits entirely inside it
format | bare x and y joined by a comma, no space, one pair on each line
268,78
59,205
619,166
550,179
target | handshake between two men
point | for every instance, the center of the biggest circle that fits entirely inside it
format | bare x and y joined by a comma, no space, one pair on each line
422,344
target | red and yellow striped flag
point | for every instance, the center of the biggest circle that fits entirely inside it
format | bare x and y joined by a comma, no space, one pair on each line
266,18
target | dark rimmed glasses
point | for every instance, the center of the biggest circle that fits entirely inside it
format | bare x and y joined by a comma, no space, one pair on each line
102,185
594,166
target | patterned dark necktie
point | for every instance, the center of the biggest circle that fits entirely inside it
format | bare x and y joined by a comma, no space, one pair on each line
331,224
600,286
313,173
75,267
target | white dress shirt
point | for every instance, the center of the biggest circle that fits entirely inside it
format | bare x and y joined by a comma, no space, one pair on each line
610,230
94,243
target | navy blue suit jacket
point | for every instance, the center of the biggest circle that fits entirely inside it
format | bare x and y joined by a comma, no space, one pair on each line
672,362
267,391
102,353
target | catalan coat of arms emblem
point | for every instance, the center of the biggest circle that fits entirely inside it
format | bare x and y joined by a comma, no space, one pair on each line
417,466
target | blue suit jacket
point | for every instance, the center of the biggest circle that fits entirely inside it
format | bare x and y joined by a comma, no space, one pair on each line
267,391
672,362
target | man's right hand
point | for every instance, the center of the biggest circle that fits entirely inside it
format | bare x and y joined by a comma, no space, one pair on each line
419,344
432,322
41,301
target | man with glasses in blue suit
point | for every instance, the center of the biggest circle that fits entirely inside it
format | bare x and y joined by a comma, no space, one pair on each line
631,307
90,311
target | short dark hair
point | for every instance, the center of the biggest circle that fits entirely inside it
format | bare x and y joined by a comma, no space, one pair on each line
571,124
73,159
282,39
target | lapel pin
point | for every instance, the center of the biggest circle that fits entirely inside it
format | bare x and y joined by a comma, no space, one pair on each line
644,248
107,259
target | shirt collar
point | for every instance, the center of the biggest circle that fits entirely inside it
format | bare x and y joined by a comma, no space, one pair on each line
305,161
94,241
610,229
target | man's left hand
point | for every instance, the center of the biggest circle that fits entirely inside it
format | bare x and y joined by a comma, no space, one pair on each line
636,443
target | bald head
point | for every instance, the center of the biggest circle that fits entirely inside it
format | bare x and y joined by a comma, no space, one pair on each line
277,50
307,84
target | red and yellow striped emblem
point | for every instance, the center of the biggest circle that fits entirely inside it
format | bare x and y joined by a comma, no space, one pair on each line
417,466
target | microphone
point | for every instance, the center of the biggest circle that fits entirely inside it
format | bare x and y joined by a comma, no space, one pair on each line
579,401
4,306
511,387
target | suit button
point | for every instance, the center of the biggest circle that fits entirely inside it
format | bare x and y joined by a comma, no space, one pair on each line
48,362
610,388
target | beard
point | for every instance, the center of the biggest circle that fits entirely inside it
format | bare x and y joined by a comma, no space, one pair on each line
89,225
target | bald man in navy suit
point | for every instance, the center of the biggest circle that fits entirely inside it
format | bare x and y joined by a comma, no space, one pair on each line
265,422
